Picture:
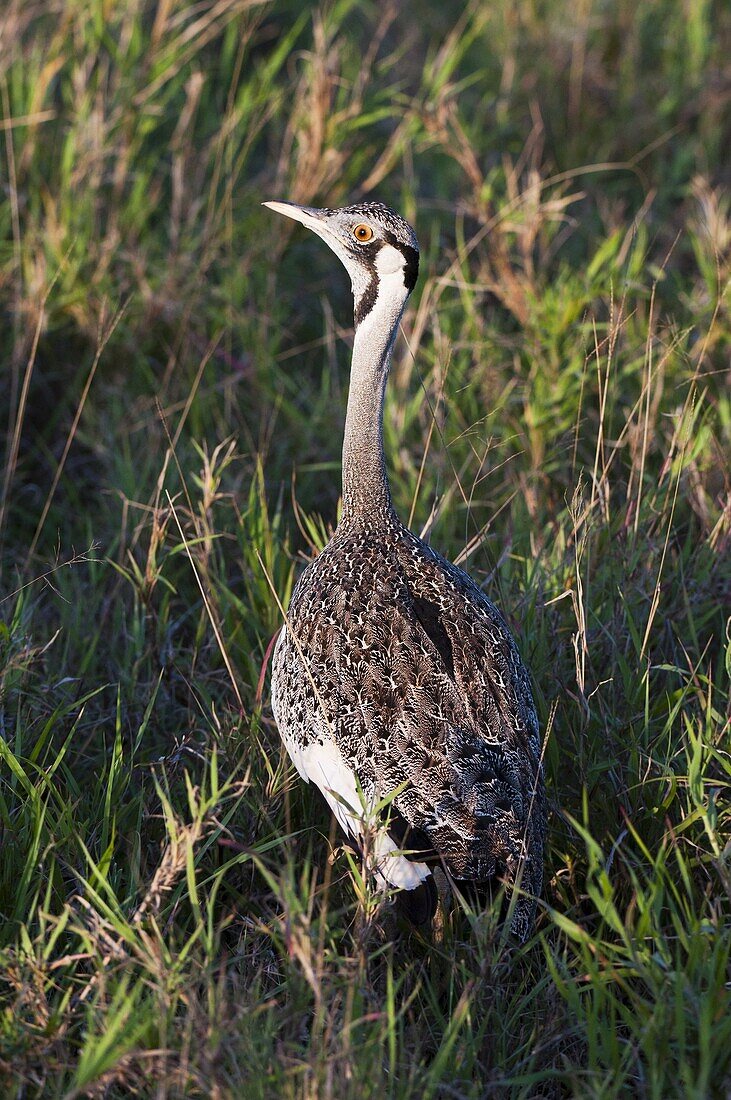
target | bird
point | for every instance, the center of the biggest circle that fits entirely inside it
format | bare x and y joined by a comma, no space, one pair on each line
397,686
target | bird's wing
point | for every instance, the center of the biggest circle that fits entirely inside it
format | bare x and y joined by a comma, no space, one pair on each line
414,683
463,732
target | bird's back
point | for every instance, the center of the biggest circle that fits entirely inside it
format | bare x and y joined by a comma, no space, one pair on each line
397,668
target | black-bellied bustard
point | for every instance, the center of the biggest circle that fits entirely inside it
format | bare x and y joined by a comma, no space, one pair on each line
394,672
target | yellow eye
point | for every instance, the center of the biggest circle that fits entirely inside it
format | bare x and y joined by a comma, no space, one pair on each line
362,232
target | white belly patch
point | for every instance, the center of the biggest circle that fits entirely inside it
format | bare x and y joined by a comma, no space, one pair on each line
324,766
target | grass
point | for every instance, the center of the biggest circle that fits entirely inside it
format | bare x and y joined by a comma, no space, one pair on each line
177,916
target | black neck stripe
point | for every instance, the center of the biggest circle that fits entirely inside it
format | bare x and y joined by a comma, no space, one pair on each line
411,260
411,267
367,300
411,273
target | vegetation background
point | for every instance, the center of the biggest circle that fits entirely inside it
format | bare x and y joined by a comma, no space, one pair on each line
176,917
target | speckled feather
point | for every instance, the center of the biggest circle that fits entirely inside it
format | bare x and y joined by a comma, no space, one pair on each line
453,725
395,678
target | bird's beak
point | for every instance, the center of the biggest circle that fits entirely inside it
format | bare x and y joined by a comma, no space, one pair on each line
308,215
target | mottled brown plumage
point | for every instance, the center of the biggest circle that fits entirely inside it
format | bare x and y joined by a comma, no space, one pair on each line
395,678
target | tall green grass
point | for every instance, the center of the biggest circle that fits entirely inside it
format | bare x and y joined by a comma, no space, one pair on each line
177,917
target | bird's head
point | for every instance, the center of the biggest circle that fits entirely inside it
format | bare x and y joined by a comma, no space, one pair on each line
378,248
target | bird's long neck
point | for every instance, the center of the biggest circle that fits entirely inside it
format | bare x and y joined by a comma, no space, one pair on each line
366,490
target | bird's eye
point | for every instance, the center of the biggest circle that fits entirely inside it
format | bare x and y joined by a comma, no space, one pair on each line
362,232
